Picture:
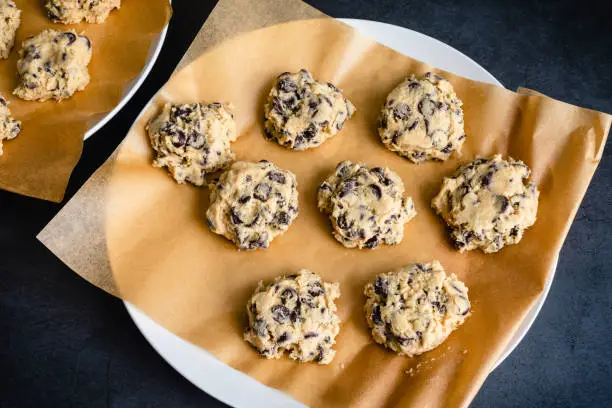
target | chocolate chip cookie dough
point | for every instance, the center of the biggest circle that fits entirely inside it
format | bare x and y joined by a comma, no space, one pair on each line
252,203
302,113
422,119
192,140
9,127
10,18
75,11
415,308
365,206
53,65
488,204
294,314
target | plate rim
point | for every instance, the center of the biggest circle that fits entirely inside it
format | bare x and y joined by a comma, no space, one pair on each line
142,321
136,84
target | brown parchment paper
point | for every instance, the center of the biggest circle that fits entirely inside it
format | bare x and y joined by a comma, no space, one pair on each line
39,161
135,233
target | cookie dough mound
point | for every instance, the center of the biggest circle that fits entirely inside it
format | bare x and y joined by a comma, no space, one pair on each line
10,18
53,65
302,113
192,140
75,11
252,203
365,206
294,314
422,119
415,308
9,127
488,204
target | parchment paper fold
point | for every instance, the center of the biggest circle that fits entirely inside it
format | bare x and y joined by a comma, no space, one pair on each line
135,233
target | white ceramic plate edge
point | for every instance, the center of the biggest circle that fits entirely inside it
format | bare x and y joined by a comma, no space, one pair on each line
154,51
219,380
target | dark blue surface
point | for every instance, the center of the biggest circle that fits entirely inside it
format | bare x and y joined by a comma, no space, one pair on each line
65,343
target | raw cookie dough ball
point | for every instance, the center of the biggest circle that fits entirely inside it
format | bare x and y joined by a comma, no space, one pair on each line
10,18
53,65
365,206
296,314
75,11
192,140
415,308
252,203
422,119
9,127
487,204
302,113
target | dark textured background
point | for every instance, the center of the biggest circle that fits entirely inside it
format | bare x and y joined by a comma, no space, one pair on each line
66,343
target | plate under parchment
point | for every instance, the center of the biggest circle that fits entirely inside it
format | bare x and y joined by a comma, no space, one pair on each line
239,390
134,85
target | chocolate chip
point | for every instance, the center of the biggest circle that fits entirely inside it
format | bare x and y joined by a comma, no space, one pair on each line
310,132
309,335
413,125
179,140
261,328
280,313
486,179
514,232
288,294
502,202
262,191
447,149
315,289
278,106
382,122
244,199
401,111
426,106
381,287
277,177
321,353
333,87
235,217
382,177
196,140
281,218
342,223
313,105
307,301
376,316
348,186
376,191
70,36
286,84
413,85
3,101
371,243
283,338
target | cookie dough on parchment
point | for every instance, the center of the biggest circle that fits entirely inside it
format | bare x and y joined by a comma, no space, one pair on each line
192,140
252,203
422,119
9,127
53,65
75,11
365,206
10,18
302,113
415,308
294,314
488,203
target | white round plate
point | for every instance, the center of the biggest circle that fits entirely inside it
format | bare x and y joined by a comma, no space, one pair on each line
239,390
133,86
